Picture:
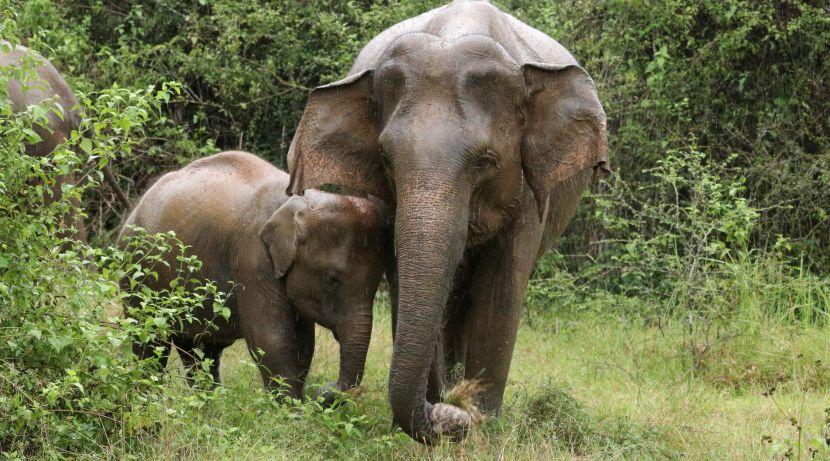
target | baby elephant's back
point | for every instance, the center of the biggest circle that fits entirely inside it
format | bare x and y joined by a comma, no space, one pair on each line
211,205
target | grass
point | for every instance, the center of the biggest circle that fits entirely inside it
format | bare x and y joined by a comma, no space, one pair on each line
588,387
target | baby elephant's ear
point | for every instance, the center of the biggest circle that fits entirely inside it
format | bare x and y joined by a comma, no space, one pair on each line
281,233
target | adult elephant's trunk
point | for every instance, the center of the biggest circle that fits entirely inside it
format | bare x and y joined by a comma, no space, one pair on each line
430,234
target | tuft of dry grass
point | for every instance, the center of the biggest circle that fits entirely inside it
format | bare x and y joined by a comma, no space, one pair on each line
463,395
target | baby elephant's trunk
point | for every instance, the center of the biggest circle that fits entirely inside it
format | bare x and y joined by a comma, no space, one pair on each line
354,333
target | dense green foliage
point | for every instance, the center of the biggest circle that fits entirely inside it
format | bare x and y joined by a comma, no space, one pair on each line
716,219
246,67
736,78
67,379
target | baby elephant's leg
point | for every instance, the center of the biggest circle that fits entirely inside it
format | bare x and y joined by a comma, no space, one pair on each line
154,349
191,360
214,353
282,345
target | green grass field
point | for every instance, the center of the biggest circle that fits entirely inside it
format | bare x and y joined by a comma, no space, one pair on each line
587,387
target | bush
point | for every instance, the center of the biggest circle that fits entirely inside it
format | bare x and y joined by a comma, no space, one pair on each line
679,243
246,67
69,383
694,218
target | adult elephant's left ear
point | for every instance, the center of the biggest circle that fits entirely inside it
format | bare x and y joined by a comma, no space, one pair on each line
564,128
337,140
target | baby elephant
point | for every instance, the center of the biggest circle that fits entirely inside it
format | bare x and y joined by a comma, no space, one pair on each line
293,261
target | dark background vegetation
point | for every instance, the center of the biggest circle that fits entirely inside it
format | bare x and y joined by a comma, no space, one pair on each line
737,78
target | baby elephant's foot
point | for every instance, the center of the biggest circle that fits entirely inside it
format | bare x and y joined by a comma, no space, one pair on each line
330,395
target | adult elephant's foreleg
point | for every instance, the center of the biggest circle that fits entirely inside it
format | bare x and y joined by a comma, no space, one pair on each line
497,288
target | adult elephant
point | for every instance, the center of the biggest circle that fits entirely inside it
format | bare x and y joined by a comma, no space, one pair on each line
46,86
484,133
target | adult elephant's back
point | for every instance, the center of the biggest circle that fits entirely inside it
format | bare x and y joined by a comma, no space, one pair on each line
45,85
524,43
33,81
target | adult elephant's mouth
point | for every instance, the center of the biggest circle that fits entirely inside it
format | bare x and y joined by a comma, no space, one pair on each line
486,220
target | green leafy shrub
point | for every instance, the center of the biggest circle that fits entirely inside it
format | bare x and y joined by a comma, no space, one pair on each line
68,382
680,241
246,67
694,219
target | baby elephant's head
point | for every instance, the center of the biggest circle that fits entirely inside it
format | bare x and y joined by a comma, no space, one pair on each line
329,250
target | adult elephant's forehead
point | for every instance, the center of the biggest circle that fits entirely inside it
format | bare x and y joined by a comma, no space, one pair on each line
429,68
468,18
422,52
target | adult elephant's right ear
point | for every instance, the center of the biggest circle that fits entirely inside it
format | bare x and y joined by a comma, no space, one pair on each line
337,140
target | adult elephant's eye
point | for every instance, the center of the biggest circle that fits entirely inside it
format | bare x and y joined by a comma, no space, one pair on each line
484,161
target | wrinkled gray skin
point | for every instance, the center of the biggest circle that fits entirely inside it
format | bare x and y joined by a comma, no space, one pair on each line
295,261
46,86
483,132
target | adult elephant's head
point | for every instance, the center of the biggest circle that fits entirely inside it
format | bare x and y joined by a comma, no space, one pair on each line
448,132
